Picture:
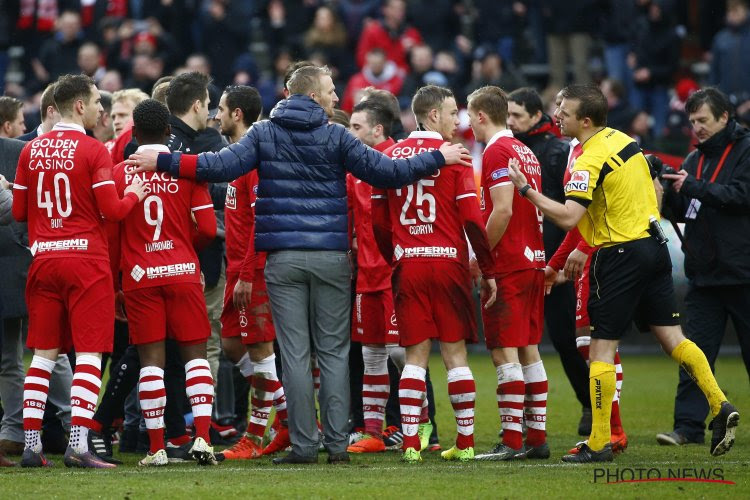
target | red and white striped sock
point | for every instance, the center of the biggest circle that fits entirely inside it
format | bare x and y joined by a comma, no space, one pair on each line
84,393
411,394
510,394
315,375
462,392
615,421
265,386
376,388
199,387
582,344
535,403
35,389
153,398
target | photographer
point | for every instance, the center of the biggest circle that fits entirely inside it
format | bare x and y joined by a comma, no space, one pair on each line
711,195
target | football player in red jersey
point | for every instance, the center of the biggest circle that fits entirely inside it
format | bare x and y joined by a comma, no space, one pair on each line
513,325
162,284
429,222
246,325
69,289
373,320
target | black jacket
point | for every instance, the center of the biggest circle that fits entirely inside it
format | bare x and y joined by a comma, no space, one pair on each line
552,153
717,239
184,138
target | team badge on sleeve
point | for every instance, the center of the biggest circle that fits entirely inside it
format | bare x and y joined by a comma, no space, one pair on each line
578,183
499,174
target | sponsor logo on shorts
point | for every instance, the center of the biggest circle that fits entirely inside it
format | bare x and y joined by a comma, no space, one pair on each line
243,320
578,183
137,273
393,320
59,245
446,252
171,270
499,174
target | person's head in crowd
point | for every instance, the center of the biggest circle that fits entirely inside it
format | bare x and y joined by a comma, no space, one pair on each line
12,122
613,90
371,122
387,99
105,130
435,110
145,43
709,111
326,30
146,69
340,117
375,61
68,26
48,109
491,66
107,29
639,128
151,122
123,103
317,84
187,99
281,62
78,100
421,59
737,13
198,63
289,71
159,90
394,13
89,58
245,70
488,111
445,62
239,107
525,110
111,81
583,110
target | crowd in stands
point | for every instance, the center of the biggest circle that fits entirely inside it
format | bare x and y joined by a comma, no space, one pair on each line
648,54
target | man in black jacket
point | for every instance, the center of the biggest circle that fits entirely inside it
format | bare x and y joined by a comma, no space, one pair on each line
711,195
534,128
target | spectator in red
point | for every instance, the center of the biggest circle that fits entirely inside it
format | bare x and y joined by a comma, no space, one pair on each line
378,72
392,34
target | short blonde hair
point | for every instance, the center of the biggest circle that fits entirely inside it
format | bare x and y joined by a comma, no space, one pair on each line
306,80
134,96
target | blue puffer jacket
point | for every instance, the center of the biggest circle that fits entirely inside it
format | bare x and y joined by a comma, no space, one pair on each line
302,162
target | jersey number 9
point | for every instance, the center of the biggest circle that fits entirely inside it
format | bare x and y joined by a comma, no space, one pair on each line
150,220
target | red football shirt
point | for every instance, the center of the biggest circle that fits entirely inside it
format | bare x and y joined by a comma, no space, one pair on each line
521,246
156,237
373,272
425,219
57,176
239,226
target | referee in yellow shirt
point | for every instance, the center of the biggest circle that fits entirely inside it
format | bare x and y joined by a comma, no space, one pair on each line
612,200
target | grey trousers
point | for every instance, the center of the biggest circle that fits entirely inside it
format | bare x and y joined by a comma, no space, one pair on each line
309,293
12,377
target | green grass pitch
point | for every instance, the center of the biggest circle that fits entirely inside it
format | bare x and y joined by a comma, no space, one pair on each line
648,392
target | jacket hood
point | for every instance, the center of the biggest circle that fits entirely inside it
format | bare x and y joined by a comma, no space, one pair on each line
715,145
298,112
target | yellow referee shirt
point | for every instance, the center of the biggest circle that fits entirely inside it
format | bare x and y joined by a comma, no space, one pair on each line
611,179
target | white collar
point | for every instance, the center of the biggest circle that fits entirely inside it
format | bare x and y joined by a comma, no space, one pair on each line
574,142
159,148
501,133
39,130
425,134
68,126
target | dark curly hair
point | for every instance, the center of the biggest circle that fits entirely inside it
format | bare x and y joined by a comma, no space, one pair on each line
151,121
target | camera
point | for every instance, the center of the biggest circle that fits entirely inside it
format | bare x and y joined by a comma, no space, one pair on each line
658,169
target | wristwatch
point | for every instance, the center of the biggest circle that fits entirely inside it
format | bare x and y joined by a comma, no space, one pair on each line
524,190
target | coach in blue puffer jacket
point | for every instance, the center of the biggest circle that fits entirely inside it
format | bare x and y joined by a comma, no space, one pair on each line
301,221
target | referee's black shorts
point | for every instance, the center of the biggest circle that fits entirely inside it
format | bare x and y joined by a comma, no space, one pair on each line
631,280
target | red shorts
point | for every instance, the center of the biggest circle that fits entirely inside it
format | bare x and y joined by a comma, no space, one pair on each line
433,301
175,311
516,318
71,304
582,297
373,318
255,326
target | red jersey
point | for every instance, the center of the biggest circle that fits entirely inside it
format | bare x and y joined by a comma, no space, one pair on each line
156,237
373,272
239,226
426,221
521,246
63,185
